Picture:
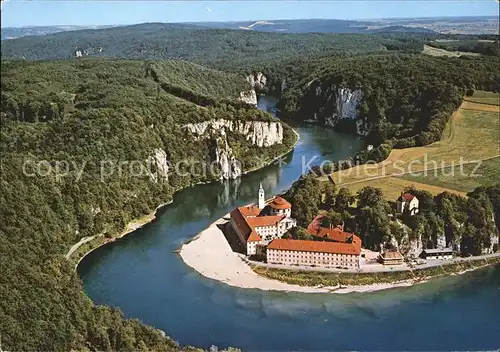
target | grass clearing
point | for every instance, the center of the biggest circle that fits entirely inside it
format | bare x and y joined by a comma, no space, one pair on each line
483,97
318,278
392,187
432,51
472,134
487,174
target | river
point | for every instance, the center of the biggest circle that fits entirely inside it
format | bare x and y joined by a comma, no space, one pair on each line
143,276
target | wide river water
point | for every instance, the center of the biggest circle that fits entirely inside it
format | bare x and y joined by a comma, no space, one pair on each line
141,275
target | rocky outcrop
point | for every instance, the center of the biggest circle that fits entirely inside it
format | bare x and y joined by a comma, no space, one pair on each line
441,241
335,104
230,167
259,133
158,165
257,80
249,97
345,104
411,247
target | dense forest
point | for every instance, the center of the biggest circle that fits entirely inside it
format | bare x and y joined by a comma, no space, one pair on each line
470,224
218,48
80,113
407,99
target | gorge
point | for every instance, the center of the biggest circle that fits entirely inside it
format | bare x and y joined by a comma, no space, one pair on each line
143,276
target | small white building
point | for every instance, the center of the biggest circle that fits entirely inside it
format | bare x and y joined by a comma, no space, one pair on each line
407,201
445,253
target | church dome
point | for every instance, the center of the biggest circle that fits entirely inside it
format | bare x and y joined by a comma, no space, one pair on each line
280,203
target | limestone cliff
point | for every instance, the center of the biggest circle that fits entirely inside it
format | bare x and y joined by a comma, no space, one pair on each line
257,83
330,105
230,167
158,165
257,133
249,97
257,80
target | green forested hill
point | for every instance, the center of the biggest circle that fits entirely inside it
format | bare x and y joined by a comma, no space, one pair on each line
218,47
407,98
79,114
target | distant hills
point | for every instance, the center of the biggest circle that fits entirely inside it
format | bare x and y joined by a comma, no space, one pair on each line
18,32
216,47
307,26
446,25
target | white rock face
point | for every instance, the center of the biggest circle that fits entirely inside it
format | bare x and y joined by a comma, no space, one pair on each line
494,241
441,241
230,166
249,97
283,85
259,133
257,80
345,104
411,248
159,160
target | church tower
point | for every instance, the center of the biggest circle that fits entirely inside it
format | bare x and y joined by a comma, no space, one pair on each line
262,198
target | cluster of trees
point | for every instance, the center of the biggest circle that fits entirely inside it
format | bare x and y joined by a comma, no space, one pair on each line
111,111
447,219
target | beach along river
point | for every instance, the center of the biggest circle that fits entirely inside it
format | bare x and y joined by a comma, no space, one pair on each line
141,275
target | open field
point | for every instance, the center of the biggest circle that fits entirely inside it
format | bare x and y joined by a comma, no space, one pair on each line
432,51
473,134
483,97
392,187
488,173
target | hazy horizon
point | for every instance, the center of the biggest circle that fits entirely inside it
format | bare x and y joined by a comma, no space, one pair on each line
255,20
40,13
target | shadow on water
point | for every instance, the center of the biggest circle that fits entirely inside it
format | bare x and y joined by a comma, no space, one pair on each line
142,276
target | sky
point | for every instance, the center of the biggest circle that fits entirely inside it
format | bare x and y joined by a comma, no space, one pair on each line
20,13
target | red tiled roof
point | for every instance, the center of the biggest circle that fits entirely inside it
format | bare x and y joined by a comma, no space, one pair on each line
261,221
241,223
251,210
336,234
254,237
245,219
314,246
407,196
314,226
280,203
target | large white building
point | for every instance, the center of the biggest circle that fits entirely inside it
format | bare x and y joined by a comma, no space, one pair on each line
257,226
315,253
407,201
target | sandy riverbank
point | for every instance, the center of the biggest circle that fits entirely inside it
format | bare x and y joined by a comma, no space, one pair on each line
210,254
